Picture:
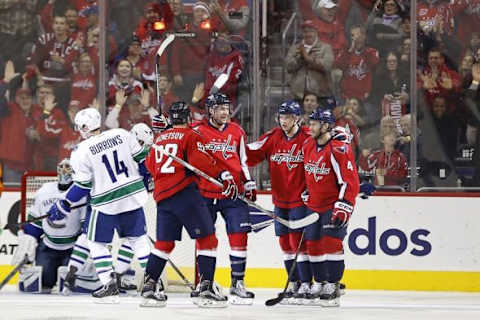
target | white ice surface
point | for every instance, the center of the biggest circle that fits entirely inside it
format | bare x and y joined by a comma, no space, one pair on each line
355,305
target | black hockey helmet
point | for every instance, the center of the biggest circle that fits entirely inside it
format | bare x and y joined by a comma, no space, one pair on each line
179,113
217,99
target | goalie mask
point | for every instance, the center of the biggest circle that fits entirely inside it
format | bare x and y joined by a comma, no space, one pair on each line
143,134
87,121
64,174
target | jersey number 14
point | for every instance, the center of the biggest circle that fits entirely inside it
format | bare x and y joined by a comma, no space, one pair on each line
120,166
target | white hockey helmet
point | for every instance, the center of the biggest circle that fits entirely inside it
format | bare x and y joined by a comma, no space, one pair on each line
87,120
64,172
143,134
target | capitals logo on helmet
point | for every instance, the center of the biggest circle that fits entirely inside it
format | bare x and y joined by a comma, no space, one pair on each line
321,115
179,113
290,107
87,121
217,99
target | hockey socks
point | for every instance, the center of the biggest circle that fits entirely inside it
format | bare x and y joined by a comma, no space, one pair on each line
335,270
124,258
158,258
80,253
102,260
207,256
238,255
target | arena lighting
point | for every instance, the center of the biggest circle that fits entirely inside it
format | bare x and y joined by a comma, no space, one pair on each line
206,25
159,26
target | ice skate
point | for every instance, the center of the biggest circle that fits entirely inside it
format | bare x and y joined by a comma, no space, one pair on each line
239,294
292,289
330,296
108,293
69,283
153,294
209,295
126,284
302,294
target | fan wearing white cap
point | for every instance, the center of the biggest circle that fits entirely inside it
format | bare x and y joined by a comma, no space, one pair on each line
105,166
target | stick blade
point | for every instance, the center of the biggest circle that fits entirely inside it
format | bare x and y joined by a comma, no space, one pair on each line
301,223
274,301
165,44
219,83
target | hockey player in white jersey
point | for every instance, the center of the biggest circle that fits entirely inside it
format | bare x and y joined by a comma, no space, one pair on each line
48,244
105,167
80,277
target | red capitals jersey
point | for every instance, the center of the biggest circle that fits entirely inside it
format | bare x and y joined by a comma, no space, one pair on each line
394,162
330,174
83,88
170,176
285,161
358,72
46,47
227,147
69,139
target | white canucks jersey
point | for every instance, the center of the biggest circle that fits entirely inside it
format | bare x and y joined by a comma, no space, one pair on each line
108,165
64,237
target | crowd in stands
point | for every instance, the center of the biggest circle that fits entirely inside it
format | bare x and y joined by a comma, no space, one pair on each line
49,59
369,76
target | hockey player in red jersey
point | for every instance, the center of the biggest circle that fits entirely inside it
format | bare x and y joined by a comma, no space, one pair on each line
332,186
282,148
179,204
225,141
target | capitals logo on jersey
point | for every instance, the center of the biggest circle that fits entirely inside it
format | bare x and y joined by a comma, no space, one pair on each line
318,170
224,147
291,160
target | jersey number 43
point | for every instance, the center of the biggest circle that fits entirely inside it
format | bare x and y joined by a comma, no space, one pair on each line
170,148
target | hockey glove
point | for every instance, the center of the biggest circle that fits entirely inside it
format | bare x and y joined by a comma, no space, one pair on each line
59,210
305,196
27,246
250,188
341,214
230,189
160,123
341,134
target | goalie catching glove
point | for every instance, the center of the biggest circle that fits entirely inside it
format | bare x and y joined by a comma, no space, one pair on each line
59,210
250,188
27,245
230,189
341,214
160,123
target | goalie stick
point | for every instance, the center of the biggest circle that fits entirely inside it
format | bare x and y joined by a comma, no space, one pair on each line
281,295
14,272
293,224
180,274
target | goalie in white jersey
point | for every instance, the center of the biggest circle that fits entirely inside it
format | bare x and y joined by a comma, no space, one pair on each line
105,166
48,244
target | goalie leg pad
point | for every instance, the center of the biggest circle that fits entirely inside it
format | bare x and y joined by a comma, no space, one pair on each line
30,280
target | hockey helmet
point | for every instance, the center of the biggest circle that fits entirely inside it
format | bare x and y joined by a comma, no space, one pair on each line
179,113
143,134
64,172
217,99
87,120
290,107
321,115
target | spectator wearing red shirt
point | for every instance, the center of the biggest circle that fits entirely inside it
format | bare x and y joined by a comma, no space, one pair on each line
84,83
69,137
189,55
330,26
49,127
17,133
123,79
389,164
358,64
166,94
437,78
130,110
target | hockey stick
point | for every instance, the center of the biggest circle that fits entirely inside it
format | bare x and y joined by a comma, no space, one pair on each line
294,224
180,274
21,224
13,272
219,83
281,295
165,43
261,225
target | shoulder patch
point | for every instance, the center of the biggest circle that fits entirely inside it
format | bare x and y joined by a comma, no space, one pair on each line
341,149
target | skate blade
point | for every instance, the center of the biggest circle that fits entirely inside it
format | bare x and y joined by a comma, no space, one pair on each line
236,300
152,303
207,303
66,291
129,293
107,300
288,301
330,303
